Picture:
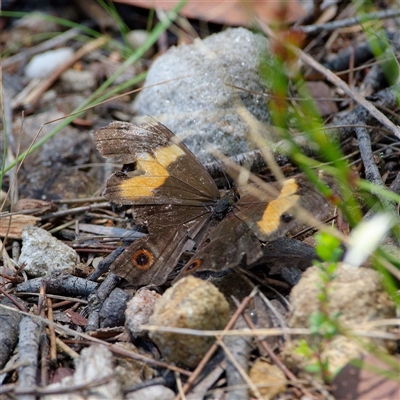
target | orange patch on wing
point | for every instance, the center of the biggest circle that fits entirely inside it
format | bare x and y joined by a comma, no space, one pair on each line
154,172
276,208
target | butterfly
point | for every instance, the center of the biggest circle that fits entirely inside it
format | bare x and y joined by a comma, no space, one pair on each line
172,194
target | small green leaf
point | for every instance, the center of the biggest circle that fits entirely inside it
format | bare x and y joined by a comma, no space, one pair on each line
327,247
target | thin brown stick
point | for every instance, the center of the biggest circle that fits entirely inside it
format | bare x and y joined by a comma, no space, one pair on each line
36,94
179,386
344,23
62,304
12,299
54,296
43,343
81,200
66,349
7,388
13,367
42,300
74,211
52,333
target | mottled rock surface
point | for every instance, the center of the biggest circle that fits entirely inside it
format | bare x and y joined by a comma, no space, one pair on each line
194,97
193,304
43,254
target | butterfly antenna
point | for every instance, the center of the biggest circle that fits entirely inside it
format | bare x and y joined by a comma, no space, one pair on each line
226,178
217,161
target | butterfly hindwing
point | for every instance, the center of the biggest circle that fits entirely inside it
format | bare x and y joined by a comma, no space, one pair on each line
229,244
150,259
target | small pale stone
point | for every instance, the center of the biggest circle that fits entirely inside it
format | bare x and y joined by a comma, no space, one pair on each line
271,379
43,254
131,372
155,392
336,353
42,65
356,296
339,352
194,304
138,38
37,22
95,363
139,309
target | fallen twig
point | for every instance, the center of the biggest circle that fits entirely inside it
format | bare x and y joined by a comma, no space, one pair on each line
65,284
344,23
32,99
30,329
40,48
9,329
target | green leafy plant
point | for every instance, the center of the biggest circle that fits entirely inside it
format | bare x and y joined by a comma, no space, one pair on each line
311,353
300,115
323,324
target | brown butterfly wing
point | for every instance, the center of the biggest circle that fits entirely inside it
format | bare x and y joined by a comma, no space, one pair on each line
169,190
166,172
272,214
258,215
151,258
229,244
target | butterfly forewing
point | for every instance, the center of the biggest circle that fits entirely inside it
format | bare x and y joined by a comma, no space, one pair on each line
166,171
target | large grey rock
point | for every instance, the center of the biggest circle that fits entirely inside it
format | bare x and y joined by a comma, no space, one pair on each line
200,106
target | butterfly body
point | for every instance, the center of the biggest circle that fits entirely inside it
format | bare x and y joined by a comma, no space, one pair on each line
174,196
